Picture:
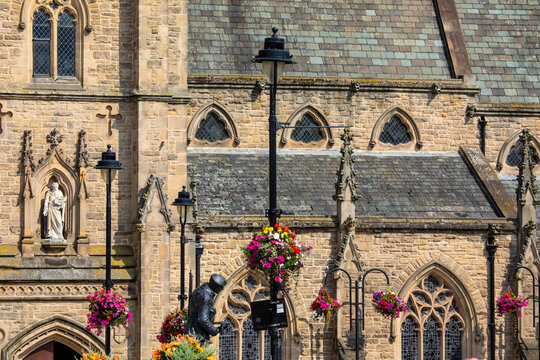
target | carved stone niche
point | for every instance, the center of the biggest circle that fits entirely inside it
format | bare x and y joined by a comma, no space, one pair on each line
55,170
39,178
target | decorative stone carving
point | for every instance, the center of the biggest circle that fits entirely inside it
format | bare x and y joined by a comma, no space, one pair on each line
82,194
346,173
81,8
38,180
52,291
355,87
347,238
154,183
260,85
3,120
436,88
110,117
470,112
54,213
526,178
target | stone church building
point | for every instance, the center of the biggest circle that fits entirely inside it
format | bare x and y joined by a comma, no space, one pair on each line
441,102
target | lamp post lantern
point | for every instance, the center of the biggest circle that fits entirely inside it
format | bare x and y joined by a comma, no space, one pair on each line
183,203
273,58
109,166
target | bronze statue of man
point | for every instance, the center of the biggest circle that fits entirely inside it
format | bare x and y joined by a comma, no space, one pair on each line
201,311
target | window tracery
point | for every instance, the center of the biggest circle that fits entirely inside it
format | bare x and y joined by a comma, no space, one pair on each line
395,129
212,129
307,126
239,340
307,135
433,325
212,125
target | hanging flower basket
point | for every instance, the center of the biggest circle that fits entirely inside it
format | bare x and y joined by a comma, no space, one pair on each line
106,308
276,252
388,304
185,347
510,303
324,307
173,325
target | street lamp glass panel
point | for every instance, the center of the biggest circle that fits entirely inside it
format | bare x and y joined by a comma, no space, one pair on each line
268,70
105,177
182,212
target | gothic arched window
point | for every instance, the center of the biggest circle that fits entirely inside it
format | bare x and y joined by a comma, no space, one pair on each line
511,153
54,41
307,126
395,132
307,130
212,128
239,340
433,325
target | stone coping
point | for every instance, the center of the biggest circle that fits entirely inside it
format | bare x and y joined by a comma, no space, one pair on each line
337,83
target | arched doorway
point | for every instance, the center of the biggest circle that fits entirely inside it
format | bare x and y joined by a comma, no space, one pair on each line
53,351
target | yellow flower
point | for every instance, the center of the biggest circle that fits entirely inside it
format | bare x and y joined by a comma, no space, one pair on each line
210,358
270,229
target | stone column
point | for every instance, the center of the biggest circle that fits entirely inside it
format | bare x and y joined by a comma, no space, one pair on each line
161,75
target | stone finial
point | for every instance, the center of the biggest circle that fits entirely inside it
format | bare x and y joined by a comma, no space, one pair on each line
82,154
526,178
27,152
54,138
346,173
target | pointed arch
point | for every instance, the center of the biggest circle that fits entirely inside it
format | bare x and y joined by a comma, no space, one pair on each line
402,117
315,115
437,295
507,147
79,8
222,115
232,306
56,328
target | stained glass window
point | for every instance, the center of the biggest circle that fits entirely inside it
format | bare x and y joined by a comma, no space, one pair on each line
409,339
433,321
432,339
452,339
227,341
41,42
212,129
515,155
395,132
307,135
66,44
250,341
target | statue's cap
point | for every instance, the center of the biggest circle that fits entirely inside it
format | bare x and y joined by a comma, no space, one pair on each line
217,282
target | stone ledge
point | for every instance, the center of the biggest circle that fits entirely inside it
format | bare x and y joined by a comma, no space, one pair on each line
254,222
515,109
382,224
335,83
44,95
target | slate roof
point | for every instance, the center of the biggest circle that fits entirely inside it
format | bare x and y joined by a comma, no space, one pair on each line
502,39
328,38
382,39
438,185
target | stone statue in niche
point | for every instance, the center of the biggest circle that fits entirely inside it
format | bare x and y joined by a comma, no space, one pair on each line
54,214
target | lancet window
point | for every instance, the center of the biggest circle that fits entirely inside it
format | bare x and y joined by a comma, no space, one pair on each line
395,132
54,41
212,128
304,133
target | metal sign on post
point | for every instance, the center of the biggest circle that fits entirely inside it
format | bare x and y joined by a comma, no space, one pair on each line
262,311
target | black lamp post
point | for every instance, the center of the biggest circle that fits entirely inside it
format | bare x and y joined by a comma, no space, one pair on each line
273,58
183,203
108,166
